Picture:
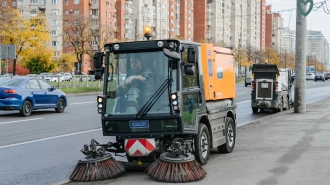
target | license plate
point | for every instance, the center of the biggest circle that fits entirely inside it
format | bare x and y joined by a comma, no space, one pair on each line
139,124
264,85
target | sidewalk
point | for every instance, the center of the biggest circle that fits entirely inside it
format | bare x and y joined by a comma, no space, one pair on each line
282,148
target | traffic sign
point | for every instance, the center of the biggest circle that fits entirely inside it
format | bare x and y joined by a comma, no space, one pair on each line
8,51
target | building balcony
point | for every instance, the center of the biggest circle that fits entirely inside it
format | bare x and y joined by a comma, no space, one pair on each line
129,11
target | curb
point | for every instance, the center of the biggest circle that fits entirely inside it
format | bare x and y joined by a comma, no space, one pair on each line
84,94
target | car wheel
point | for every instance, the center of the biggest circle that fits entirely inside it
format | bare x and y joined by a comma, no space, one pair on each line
26,109
230,137
60,106
245,85
202,144
254,109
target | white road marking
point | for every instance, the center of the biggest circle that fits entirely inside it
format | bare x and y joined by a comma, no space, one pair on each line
82,103
48,138
247,101
20,121
241,93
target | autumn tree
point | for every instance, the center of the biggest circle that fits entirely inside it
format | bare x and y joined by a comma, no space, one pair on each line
99,37
40,61
270,56
20,70
65,62
29,34
241,58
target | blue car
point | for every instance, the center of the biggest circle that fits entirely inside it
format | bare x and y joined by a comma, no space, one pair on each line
26,94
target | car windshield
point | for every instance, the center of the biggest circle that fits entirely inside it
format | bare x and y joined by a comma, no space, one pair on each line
152,68
10,82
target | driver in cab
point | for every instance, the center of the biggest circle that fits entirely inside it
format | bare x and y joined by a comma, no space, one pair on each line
138,76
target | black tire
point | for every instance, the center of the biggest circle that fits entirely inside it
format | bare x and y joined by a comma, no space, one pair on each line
245,85
287,107
254,109
202,144
26,109
262,110
230,135
60,106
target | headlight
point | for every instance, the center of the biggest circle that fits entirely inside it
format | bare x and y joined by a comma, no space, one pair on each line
99,106
99,100
100,110
175,102
175,107
173,96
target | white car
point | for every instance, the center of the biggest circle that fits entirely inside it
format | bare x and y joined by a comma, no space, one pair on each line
67,76
310,76
55,78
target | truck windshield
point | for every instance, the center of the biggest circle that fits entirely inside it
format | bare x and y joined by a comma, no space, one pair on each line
134,78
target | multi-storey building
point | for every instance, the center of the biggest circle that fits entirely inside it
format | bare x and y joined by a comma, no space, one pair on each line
289,41
239,24
277,36
253,25
317,46
262,24
269,27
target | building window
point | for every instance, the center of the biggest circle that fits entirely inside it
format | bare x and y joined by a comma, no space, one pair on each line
66,12
56,54
54,43
94,12
34,1
76,2
20,2
55,12
54,1
54,32
4,3
95,1
76,22
76,12
33,12
66,44
54,22
13,3
66,2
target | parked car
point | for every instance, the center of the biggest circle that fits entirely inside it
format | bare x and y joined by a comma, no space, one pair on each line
26,94
327,76
67,76
55,78
319,76
248,78
44,75
310,76
32,75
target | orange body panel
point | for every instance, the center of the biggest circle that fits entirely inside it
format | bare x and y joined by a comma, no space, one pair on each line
218,71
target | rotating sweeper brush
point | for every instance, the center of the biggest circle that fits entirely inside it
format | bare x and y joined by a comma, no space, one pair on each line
177,165
97,165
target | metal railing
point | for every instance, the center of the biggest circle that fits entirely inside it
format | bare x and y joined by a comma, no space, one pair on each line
78,81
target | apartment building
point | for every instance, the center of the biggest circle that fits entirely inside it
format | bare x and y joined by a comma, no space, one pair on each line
269,27
262,24
289,41
202,24
220,20
317,46
277,36
253,24
239,17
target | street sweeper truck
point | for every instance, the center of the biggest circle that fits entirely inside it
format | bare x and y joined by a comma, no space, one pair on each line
271,88
166,102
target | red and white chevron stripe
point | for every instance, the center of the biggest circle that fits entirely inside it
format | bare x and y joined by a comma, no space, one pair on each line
139,147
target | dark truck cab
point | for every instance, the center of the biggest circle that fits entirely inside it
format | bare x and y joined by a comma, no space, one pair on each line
271,87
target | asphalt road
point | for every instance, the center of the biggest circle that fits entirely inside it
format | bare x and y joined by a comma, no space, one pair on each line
44,148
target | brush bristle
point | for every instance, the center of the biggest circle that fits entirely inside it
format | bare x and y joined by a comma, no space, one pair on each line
176,172
102,170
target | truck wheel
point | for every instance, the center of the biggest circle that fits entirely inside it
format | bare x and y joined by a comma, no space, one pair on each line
202,144
254,109
230,137
245,85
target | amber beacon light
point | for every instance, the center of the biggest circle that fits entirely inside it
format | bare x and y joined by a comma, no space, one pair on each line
147,32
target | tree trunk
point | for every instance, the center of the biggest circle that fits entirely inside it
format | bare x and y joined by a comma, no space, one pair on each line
14,67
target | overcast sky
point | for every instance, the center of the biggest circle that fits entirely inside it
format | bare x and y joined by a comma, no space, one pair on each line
316,20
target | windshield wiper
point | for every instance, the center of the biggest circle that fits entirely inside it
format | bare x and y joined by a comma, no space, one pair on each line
153,99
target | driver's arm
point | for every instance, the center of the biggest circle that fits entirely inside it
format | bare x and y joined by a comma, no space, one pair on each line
129,79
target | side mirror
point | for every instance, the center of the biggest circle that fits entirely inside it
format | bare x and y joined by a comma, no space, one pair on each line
171,54
53,88
189,70
99,73
192,55
98,59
